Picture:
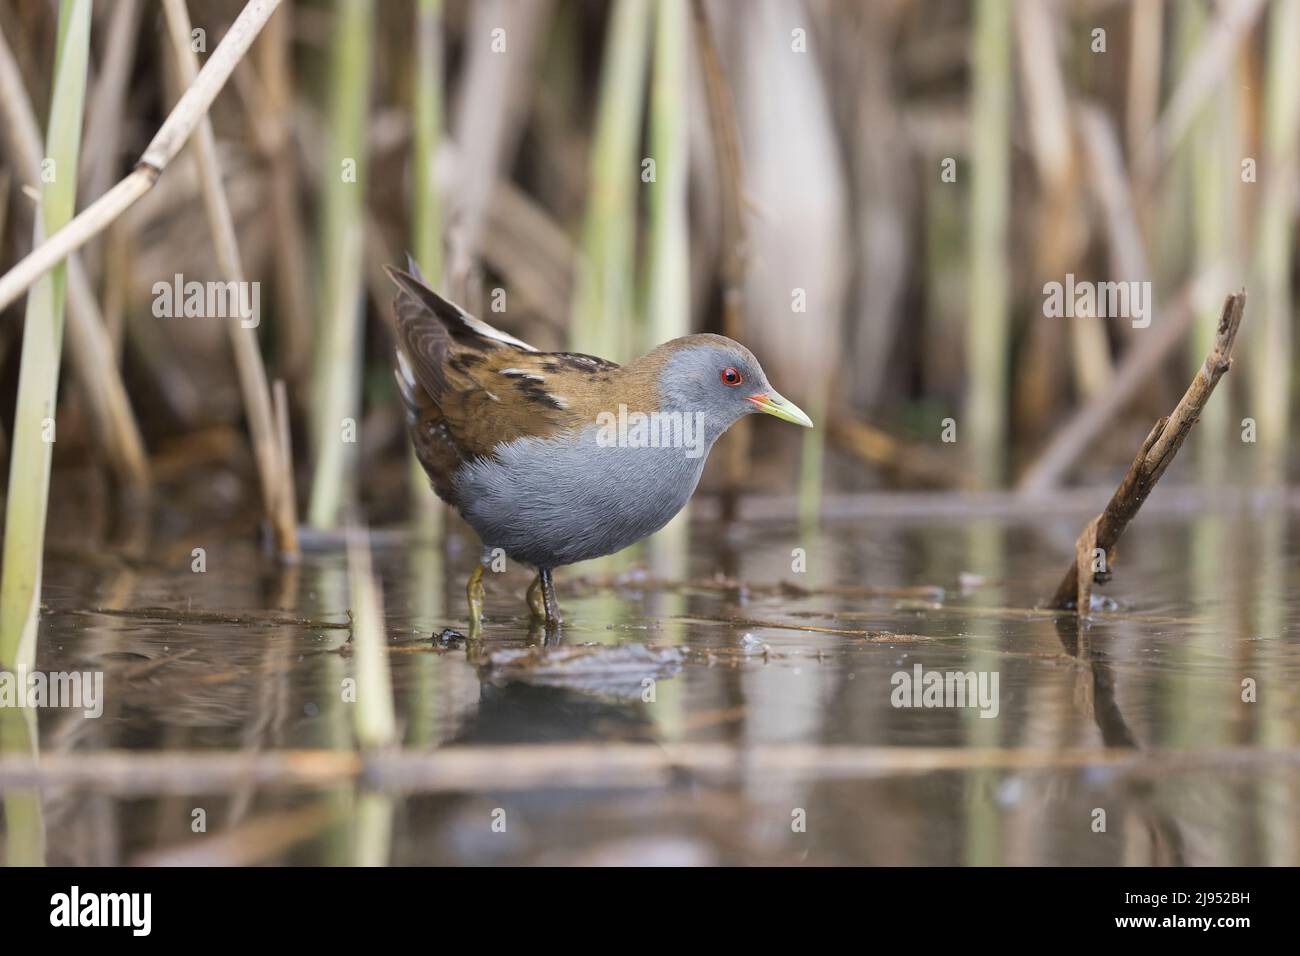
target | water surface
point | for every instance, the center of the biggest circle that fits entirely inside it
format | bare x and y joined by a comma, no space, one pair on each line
744,734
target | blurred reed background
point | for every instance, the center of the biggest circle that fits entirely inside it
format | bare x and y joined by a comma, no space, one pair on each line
871,195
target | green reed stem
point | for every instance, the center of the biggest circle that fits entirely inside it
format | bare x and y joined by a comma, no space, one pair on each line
426,225
603,300
988,331
812,464
1276,253
38,377
668,291
336,381
427,125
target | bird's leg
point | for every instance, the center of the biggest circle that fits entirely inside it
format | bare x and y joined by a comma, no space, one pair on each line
549,604
474,592
536,603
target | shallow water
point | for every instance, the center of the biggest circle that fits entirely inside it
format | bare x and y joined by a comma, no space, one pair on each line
732,741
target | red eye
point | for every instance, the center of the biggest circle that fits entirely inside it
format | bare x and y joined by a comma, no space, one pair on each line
731,377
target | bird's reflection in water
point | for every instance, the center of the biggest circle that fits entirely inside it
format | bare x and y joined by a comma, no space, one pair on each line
516,825
522,713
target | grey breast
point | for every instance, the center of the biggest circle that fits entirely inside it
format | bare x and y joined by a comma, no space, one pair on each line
550,502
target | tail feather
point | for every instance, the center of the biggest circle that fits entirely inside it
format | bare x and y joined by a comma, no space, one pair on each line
456,320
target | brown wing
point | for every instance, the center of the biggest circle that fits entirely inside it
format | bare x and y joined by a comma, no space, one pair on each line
469,387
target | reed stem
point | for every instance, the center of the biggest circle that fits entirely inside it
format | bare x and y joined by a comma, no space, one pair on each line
167,142
89,343
1271,396
274,464
38,377
426,239
1213,148
337,398
667,298
668,293
989,327
602,309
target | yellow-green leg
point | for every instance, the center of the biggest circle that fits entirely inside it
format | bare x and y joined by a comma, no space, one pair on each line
536,602
474,591
551,605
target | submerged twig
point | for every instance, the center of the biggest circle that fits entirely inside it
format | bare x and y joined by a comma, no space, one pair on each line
246,618
731,586
1095,547
887,637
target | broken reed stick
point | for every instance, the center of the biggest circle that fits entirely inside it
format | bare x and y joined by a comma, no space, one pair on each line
274,464
167,142
1158,450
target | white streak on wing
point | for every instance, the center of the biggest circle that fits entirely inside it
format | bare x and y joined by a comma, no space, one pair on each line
488,332
406,383
405,367
491,396
560,400
523,373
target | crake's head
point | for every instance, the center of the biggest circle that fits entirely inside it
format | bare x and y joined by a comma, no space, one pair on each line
721,378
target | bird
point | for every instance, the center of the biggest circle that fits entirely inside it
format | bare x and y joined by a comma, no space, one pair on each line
559,457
